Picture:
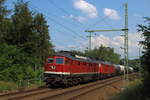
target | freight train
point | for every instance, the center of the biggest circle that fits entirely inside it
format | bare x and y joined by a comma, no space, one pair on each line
67,69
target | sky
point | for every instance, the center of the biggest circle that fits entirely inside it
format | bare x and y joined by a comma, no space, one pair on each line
68,20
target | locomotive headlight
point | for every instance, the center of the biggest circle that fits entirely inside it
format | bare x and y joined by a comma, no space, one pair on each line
53,67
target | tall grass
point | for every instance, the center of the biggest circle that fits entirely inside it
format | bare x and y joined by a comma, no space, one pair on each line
133,92
7,86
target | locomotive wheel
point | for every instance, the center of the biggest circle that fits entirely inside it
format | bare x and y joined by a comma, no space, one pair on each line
70,82
48,85
75,81
66,84
79,80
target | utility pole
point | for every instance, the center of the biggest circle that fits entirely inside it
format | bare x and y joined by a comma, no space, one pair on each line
90,36
126,41
125,29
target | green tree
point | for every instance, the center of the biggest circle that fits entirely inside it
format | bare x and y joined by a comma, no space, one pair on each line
77,53
145,59
135,63
22,28
13,65
43,43
104,54
4,21
26,43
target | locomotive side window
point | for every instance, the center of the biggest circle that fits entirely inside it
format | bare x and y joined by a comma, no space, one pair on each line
50,60
59,60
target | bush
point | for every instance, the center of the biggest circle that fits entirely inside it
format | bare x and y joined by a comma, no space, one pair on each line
133,92
7,86
16,66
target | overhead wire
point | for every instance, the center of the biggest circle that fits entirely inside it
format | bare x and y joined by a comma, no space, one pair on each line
62,32
76,46
81,44
64,11
103,19
58,23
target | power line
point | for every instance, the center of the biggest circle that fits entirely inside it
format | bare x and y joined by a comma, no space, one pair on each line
58,23
81,45
62,32
64,11
55,22
103,19
98,22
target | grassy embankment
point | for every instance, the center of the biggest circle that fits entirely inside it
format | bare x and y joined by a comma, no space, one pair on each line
132,92
9,86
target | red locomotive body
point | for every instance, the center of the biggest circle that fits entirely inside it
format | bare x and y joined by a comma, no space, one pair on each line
106,70
67,69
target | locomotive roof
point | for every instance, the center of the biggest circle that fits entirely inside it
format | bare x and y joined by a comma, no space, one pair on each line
72,56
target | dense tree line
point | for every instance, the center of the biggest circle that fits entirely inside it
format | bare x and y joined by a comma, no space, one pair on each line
24,42
134,63
145,59
102,53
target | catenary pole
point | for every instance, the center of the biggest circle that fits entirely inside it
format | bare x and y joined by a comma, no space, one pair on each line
126,41
125,29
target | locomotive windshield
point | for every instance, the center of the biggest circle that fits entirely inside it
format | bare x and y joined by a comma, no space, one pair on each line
50,60
59,60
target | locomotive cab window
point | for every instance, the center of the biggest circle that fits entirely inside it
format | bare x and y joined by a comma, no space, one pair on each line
59,60
50,60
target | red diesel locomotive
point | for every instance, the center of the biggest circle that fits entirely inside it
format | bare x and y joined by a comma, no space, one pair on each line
67,69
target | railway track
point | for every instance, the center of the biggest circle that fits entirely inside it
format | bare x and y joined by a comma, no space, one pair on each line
24,94
76,93
62,94
72,94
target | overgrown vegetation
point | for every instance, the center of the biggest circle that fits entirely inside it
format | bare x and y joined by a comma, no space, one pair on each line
7,86
141,90
145,59
132,92
24,43
134,63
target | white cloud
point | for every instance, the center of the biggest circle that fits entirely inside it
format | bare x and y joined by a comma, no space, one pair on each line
117,42
100,40
111,13
80,19
87,8
79,46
